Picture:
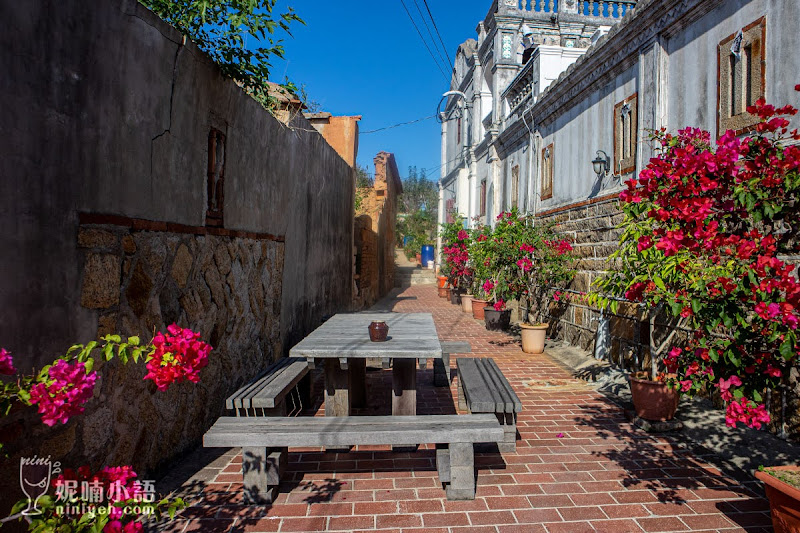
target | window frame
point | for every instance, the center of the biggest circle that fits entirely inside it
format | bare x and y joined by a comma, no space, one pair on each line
742,122
547,172
625,165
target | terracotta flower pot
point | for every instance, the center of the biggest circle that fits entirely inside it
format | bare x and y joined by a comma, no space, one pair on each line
654,400
784,501
466,303
533,336
477,308
441,281
419,259
444,292
496,320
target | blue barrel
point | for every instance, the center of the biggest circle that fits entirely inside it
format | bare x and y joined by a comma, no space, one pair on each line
406,239
427,254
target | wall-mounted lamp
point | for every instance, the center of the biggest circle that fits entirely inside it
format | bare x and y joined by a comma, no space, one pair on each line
601,164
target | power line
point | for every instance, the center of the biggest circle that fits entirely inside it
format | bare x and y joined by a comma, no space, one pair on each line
424,41
433,39
439,34
397,125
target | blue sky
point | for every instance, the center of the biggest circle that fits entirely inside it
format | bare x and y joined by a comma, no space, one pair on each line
365,58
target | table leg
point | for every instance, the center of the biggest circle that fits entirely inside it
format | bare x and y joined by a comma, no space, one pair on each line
337,389
358,382
404,387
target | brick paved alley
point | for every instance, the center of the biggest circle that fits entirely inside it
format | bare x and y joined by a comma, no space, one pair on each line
579,465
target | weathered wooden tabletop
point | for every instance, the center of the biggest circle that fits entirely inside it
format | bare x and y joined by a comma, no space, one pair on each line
343,344
411,336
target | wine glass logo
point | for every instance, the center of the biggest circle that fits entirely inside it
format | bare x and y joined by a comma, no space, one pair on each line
34,478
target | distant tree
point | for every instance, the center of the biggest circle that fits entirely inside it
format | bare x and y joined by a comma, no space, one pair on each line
420,203
237,34
363,178
419,193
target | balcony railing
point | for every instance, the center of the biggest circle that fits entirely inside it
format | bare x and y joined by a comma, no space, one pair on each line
589,8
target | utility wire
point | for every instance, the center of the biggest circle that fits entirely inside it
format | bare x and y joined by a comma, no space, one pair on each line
436,47
424,42
439,34
398,125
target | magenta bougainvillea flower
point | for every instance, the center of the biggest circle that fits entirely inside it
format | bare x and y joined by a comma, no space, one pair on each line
6,363
118,484
62,396
179,355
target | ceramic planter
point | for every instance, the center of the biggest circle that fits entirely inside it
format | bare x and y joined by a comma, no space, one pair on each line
784,501
477,308
466,303
444,292
533,336
653,400
496,320
441,281
378,329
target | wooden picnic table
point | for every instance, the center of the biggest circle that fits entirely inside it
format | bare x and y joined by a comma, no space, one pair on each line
343,344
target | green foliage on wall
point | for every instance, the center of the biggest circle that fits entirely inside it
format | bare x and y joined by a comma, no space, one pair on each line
237,34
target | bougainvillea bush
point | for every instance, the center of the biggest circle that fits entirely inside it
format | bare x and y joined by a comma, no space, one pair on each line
455,254
521,259
706,225
60,391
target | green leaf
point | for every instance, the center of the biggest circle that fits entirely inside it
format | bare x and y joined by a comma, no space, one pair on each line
659,283
134,341
786,349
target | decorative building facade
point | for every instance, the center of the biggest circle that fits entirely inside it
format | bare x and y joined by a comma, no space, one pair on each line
551,85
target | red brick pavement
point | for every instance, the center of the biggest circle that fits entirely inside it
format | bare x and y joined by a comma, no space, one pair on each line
579,465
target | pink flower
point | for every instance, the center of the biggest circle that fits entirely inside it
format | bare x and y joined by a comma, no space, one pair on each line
462,235
499,305
488,285
557,296
645,242
772,371
636,291
724,385
686,385
63,395
525,247
178,355
6,363
115,526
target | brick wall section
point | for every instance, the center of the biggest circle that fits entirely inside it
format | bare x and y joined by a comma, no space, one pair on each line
380,205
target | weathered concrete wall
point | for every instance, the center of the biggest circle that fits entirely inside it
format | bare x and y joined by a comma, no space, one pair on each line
340,132
106,111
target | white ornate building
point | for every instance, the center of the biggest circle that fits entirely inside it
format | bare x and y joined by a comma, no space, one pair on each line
549,83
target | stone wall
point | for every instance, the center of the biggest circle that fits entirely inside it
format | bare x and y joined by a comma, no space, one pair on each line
143,187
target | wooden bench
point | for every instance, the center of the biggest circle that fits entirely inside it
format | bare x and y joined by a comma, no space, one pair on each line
264,443
441,367
482,388
267,394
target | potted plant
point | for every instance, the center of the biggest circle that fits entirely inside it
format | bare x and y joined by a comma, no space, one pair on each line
480,263
542,262
455,256
782,484
705,226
